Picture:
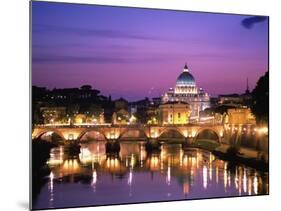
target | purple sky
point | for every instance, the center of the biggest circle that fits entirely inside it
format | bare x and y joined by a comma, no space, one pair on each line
134,53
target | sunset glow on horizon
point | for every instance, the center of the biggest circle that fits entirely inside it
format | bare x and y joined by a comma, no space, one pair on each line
136,53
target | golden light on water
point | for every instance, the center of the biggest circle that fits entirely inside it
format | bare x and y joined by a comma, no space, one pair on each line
56,158
186,188
210,171
54,162
51,188
244,182
51,177
236,179
249,186
205,177
94,179
130,178
154,162
133,161
70,166
168,177
239,181
217,174
85,155
225,176
229,180
255,184
170,163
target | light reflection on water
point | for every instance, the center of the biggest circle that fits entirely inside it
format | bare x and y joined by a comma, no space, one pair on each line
95,178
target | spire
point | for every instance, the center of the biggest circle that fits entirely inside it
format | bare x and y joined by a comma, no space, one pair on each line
185,69
247,87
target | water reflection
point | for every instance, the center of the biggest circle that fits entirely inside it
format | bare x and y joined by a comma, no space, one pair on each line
51,189
134,175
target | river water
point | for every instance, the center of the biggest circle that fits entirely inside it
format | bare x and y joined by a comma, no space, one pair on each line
133,175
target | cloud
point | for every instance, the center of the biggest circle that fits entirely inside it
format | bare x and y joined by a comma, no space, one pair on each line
73,59
77,59
40,28
248,23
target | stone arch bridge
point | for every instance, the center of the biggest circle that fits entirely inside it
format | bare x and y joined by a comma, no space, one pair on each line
115,132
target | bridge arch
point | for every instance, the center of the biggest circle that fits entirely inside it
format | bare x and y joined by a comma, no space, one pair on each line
171,129
215,132
45,131
128,130
88,130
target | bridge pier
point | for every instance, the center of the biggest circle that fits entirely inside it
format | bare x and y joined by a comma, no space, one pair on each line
72,148
152,145
112,146
187,142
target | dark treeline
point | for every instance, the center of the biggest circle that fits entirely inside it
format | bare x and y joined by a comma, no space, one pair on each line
260,94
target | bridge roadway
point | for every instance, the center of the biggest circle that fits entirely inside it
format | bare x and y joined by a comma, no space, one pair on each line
114,132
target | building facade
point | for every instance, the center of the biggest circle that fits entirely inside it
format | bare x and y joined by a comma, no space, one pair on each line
239,116
187,91
174,113
53,115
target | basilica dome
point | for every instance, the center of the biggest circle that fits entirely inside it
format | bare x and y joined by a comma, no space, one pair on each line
185,78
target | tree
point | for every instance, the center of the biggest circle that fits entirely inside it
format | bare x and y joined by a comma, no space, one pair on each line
95,109
260,95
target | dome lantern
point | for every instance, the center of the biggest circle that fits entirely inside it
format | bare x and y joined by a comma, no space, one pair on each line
185,69
185,78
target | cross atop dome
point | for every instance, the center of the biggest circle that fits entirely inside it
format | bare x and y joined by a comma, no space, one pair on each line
185,69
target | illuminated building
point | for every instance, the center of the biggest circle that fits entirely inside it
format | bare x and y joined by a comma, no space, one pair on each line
80,118
174,113
53,115
121,117
121,114
187,91
89,119
240,116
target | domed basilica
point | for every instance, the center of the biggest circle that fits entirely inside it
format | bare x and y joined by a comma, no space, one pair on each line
186,91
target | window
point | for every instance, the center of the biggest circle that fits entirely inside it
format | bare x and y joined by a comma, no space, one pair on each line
179,115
